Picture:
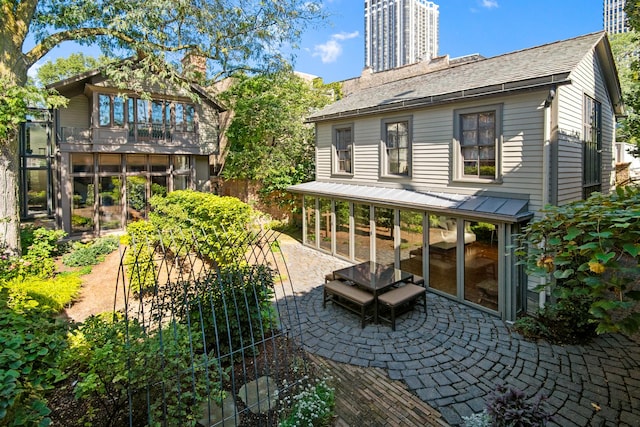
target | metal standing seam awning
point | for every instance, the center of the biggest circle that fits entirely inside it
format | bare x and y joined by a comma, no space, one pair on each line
501,209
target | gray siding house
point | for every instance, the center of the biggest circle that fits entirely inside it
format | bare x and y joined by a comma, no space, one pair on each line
114,149
436,172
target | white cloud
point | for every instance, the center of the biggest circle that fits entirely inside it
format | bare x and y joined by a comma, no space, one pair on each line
345,36
489,4
331,50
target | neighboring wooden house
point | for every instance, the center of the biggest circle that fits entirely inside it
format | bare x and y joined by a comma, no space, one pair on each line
115,149
437,172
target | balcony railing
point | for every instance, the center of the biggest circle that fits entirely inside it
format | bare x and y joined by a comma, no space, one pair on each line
146,132
142,133
74,135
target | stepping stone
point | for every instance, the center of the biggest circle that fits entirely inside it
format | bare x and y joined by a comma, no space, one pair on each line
259,395
212,414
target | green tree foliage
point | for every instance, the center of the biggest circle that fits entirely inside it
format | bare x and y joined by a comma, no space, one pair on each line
625,47
154,35
589,251
63,68
268,139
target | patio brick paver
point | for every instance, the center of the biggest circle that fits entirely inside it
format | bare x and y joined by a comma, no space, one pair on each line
455,356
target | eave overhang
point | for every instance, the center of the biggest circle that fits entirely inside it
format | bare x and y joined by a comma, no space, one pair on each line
477,207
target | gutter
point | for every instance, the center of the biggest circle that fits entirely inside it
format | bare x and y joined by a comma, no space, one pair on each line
501,89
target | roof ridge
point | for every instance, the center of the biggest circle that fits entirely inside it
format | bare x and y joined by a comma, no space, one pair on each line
540,46
482,59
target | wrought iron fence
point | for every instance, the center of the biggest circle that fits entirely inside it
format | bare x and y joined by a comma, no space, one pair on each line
210,337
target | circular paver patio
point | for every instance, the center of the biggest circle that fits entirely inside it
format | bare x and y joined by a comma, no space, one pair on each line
453,357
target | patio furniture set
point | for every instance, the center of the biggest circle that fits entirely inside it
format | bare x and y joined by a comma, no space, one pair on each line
375,292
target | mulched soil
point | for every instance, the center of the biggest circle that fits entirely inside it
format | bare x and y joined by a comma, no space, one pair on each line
277,357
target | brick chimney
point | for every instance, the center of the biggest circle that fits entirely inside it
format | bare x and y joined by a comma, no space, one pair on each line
194,65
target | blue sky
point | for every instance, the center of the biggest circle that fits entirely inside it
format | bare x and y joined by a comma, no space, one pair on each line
487,27
335,50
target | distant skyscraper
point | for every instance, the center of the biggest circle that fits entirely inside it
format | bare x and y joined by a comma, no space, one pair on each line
615,20
399,32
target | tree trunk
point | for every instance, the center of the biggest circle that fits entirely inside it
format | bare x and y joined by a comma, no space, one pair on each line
9,207
13,68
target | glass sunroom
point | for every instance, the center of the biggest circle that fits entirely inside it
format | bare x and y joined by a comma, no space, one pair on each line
463,246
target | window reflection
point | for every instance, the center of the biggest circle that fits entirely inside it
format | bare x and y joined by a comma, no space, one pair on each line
362,231
104,110
136,198
310,218
180,182
481,265
325,224
384,236
411,241
342,228
37,185
442,253
110,202
82,205
159,186
118,111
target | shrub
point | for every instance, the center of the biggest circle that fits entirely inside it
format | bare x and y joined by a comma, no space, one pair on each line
142,238
567,321
42,239
232,306
79,221
313,406
6,265
36,197
29,344
220,225
217,228
509,407
159,377
51,294
40,246
136,192
531,328
480,419
92,253
483,231
587,252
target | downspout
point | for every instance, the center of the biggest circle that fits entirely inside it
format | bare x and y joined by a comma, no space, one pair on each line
546,166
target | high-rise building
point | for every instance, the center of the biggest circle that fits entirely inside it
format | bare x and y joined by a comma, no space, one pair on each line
615,20
399,32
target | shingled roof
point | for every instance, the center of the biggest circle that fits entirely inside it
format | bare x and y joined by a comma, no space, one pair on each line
537,67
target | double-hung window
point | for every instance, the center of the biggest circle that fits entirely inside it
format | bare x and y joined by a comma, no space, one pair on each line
343,149
396,134
478,136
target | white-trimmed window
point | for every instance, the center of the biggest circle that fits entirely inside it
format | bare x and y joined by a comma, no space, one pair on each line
478,132
396,153
343,149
